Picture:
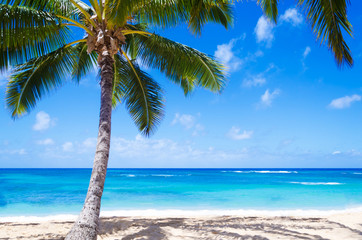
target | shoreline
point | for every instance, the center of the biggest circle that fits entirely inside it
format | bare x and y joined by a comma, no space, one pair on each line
346,226
170,213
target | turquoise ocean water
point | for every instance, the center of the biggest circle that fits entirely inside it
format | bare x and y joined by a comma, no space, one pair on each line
43,192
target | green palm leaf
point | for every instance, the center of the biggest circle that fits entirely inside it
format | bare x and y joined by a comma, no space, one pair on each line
83,62
142,95
270,8
60,7
328,18
183,65
204,11
31,80
27,33
169,13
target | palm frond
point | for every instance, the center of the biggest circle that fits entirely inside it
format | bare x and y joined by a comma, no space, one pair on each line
142,95
83,62
27,33
183,65
270,8
84,11
120,11
170,13
204,11
118,91
60,7
162,13
31,80
327,19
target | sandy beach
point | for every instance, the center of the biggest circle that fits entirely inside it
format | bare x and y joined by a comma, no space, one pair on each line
336,226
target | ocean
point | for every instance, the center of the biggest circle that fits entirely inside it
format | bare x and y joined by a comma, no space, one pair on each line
45,192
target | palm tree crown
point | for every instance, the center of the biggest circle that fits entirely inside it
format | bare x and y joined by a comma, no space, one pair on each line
38,43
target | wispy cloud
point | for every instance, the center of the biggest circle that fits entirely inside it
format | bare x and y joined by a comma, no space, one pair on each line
47,141
67,147
189,122
42,121
224,53
90,143
236,134
166,151
267,98
344,102
336,152
20,151
264,31
306,52
292,16
254,81
257,80
186,120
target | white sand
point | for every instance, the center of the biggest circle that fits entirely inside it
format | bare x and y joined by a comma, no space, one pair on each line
342,226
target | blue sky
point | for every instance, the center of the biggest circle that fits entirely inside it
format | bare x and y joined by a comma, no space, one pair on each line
286,104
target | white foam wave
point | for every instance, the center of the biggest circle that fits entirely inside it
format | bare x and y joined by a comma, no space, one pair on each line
153,175
162,175
357,173
276,171
318,183
188,213
264,171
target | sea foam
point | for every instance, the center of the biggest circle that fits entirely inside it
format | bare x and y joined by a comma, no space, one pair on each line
188,213
254,171
318,183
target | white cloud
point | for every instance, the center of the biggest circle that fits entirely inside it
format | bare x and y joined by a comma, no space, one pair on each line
22,151
264,31
67,147
225,54
43,121
257,80
292,16
306,52
47,141
267,97
254,81
166,152
258,53
234,133
198,130
336,152
186,120
344,102
90,143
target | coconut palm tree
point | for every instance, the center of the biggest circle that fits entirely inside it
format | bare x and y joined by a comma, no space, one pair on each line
37,41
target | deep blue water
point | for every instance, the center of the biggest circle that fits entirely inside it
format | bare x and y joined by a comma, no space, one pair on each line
58,191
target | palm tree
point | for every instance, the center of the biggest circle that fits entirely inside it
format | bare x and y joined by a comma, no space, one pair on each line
36,40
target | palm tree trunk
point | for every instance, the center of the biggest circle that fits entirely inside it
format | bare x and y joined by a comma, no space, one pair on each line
86,226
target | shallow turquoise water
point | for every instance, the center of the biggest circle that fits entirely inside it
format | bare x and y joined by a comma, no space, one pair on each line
54,191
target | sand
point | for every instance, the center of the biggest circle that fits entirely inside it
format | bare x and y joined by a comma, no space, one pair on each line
336,226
